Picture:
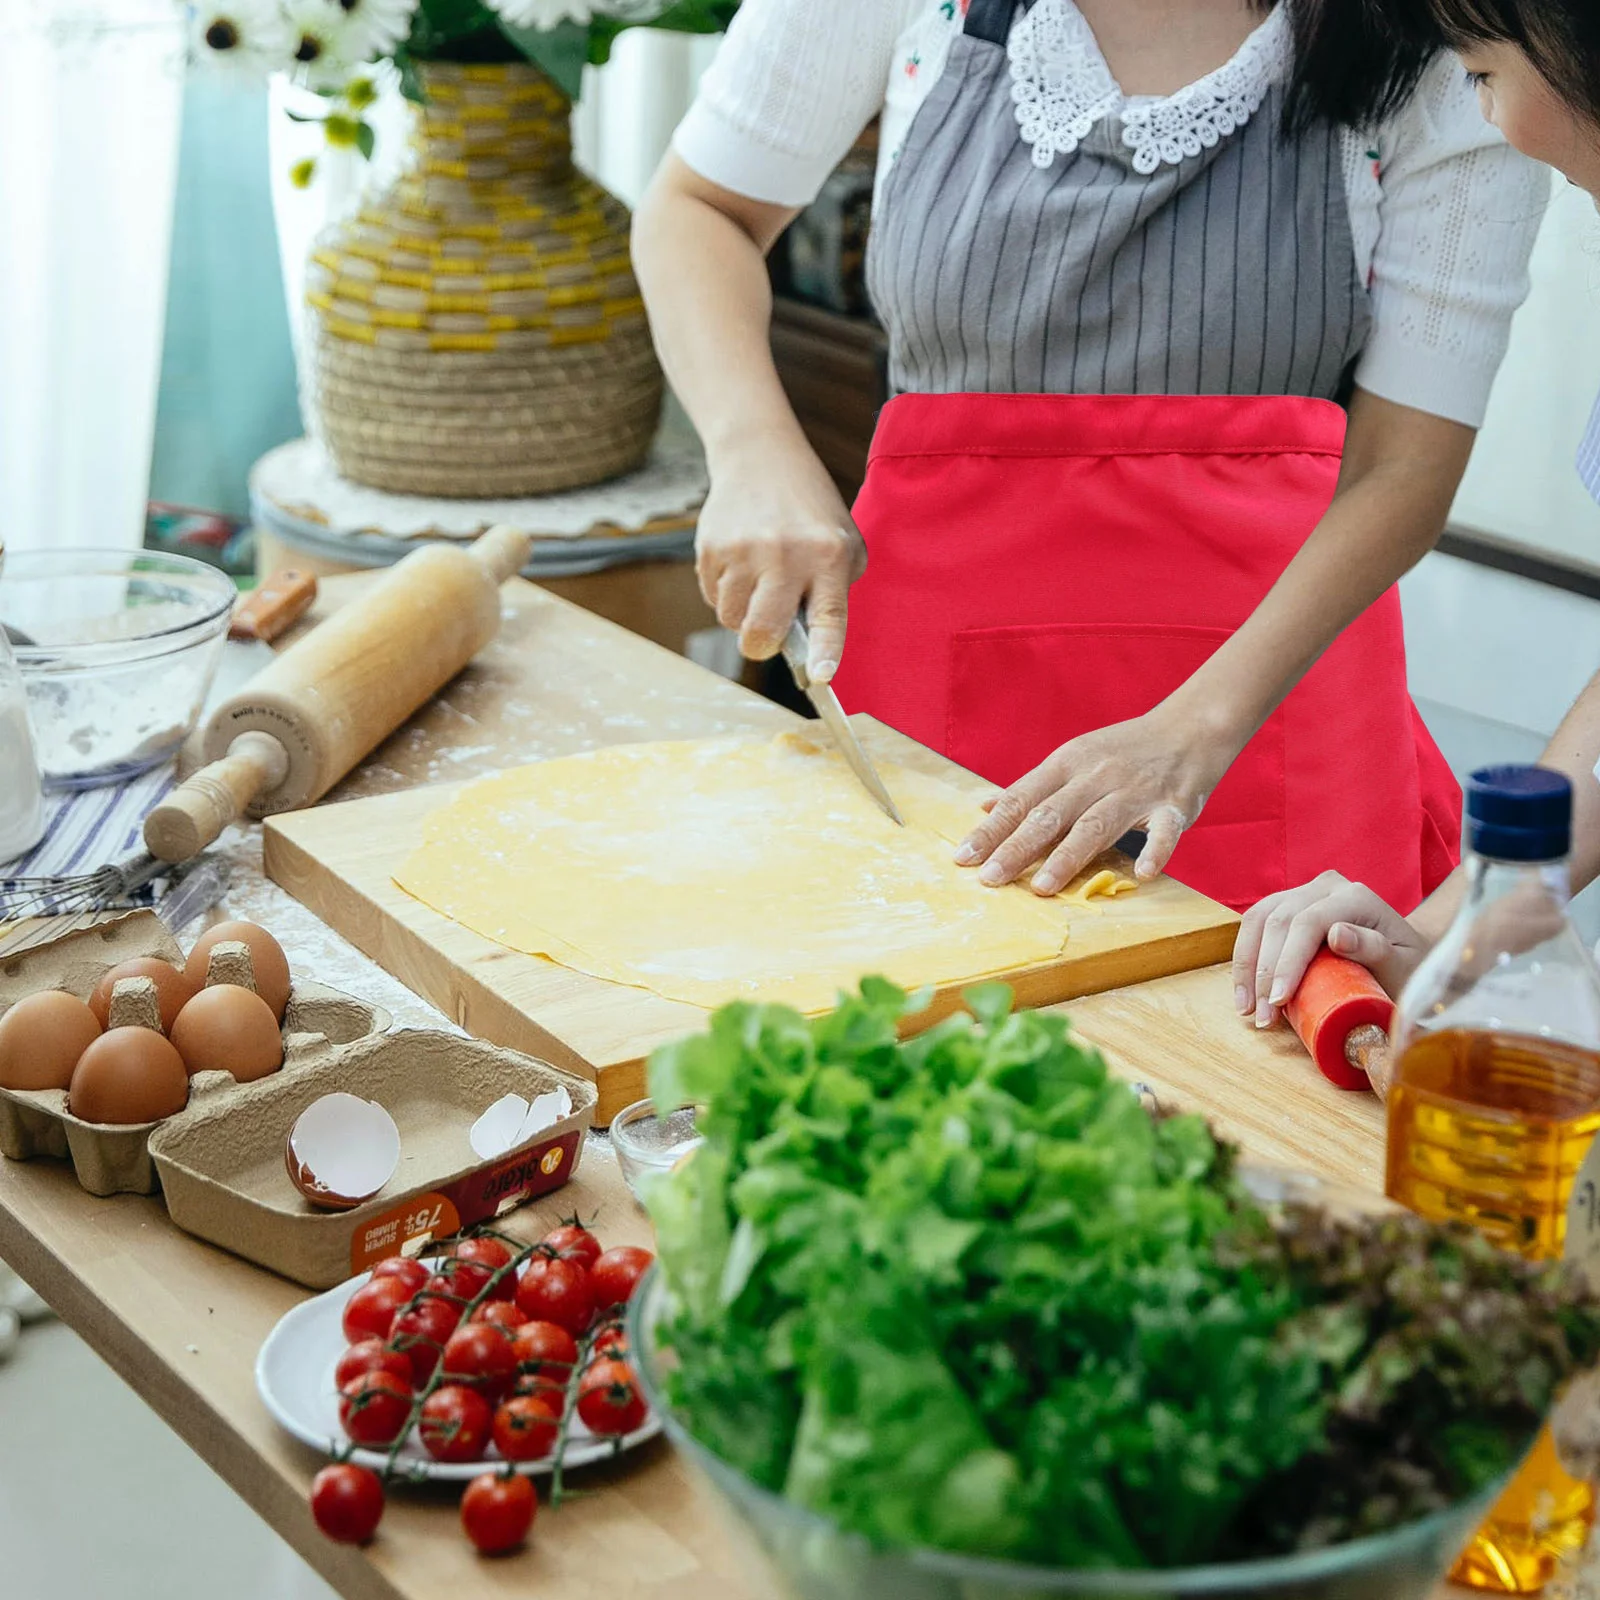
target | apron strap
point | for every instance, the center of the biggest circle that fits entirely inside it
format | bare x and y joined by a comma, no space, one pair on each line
992,19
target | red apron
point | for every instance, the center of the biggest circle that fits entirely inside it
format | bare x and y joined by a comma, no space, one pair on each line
1043,565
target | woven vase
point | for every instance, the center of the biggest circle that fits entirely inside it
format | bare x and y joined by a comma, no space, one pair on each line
478,331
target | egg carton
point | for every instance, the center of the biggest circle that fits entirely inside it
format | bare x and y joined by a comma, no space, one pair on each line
225,1178
116,1159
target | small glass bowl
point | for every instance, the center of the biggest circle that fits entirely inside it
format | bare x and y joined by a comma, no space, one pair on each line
122,646
647,1144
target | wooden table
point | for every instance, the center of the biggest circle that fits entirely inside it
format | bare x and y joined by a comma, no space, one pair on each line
182,1321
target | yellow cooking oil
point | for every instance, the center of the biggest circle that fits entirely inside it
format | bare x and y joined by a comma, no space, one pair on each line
1490,1129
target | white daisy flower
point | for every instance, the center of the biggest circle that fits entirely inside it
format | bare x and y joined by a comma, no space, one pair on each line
323,42
377,26
542,13
248,36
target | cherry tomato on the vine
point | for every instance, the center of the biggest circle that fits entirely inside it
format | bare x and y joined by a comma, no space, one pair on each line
556,1290
616,1275
481,1356
611,1343
375,1408
609,1401
456,1424
525,1426
501,1313
410,1272
472,1262
497,1511
575,1242
370,1355
545,1351
347,1502
371,1309
421,1334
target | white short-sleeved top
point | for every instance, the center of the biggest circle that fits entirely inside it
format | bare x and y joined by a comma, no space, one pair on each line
1443,213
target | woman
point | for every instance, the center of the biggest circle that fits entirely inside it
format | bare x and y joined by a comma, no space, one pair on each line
1536,64
1115,516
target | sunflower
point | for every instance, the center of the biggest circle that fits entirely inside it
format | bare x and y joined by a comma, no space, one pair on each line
248,36
377,26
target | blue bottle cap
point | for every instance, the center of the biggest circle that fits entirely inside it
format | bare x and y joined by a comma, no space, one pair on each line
1519,814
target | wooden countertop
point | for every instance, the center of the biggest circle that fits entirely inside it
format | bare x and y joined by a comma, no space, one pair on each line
182,1321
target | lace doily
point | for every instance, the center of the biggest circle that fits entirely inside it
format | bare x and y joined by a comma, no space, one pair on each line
1063,88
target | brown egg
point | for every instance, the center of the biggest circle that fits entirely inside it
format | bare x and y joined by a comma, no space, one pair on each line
127,1076
173,988
41,1039
272,966
226,1029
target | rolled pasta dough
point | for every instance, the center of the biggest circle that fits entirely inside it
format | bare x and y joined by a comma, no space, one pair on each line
725,869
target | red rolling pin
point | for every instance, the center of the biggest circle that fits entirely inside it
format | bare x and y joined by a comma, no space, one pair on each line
1343,1017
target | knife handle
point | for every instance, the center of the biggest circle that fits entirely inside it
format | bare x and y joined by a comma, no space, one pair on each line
797,652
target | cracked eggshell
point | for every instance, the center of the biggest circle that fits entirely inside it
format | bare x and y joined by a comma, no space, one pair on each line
512,1121
341,1151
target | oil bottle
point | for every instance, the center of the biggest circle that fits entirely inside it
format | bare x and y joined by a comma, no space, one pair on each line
1496,1105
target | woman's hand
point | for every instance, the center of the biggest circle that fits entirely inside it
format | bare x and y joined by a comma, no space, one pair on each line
775,535
1144,774
1279,938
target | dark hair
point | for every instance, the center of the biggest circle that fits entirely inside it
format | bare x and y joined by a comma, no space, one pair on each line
1356,61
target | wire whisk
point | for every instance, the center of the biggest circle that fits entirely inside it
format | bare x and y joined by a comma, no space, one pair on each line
108,888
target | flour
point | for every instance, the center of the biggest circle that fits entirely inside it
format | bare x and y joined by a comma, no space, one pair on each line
117,722
21,806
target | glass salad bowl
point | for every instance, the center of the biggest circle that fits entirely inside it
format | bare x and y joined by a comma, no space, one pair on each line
794,1554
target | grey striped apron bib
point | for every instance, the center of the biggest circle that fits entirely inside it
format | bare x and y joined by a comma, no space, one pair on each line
1113,429
1232,273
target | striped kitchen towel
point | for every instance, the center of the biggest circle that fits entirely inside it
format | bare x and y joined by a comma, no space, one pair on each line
93,828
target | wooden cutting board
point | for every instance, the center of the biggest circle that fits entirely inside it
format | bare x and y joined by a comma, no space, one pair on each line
339,860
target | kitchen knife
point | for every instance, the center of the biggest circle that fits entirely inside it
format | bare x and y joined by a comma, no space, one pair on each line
797,652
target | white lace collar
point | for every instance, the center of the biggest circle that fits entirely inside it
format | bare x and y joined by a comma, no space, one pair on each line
1063,87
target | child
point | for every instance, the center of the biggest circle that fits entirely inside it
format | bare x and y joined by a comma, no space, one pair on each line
1536,64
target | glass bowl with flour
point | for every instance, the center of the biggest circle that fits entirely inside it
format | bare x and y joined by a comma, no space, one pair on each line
118,649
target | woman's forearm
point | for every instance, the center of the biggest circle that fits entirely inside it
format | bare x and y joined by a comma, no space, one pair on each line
1574,750
1400,475
700,255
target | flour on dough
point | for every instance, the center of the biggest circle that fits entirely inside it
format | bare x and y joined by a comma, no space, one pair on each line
717,870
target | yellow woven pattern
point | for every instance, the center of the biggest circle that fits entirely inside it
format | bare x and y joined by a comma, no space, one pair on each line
493,255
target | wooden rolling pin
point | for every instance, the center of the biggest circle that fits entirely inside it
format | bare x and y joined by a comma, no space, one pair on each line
1343,1017
333,697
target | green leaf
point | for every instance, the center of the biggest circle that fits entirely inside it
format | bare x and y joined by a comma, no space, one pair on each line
366,139
561,53
300,116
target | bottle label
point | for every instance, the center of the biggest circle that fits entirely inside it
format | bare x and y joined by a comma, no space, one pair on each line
1575,1423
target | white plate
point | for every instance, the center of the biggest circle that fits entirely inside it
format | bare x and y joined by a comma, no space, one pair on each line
294,1376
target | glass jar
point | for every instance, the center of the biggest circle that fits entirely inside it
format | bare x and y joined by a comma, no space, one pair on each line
21,801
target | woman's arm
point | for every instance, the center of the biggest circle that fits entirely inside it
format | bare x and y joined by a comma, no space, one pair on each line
1281,935
1400,474
774,533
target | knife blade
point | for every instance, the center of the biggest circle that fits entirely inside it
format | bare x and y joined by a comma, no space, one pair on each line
797,652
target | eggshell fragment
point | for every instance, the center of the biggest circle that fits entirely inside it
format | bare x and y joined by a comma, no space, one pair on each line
266,955
512,1121
173,988
341,1151
128,1076
41,1039
229,1029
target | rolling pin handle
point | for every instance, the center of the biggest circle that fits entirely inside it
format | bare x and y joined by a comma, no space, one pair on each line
504,551
1335,999
195,813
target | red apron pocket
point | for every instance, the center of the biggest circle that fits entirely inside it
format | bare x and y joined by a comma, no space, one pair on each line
1018,694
